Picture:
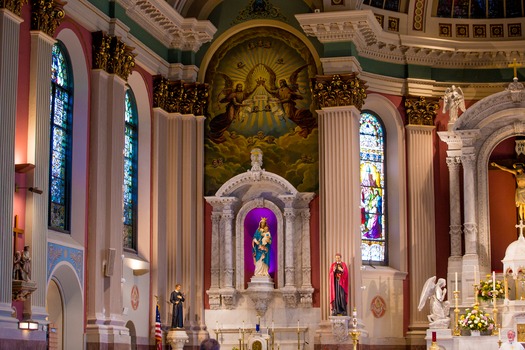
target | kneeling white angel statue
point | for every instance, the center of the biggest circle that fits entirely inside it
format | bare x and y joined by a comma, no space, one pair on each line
439,308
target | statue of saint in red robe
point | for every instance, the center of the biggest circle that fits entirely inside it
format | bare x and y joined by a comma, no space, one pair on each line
338,287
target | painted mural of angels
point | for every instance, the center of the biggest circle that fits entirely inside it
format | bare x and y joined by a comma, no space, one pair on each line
453,100
439,307
258,104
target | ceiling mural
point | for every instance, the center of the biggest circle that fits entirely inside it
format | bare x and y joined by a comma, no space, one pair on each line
260,97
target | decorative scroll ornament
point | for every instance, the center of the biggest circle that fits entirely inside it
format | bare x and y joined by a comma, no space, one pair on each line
259,9
46,15
339,90
14,6
112,55
180,97
421,111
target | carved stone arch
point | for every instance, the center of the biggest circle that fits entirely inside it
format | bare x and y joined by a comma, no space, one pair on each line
487,145
239,228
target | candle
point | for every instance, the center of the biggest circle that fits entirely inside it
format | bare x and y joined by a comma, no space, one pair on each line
456,282
217,324
499,334
475,275
273,328
297,325
243,326
493,280
433,337
258,319
354,313
240,336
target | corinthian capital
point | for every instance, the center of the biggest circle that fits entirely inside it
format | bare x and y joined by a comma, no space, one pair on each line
339,90
46,15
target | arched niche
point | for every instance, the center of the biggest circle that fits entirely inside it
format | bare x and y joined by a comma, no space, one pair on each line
232,203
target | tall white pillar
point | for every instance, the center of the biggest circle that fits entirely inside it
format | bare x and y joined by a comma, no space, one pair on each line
339,194
422,218
9,42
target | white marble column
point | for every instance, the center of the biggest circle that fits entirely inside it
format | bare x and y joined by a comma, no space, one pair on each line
38,154
339,194
227,247
454,165
216,249
105,323
289,255
306,251
421,223
9,42
469,186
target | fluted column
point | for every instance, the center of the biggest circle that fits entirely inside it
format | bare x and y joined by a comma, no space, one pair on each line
306,251
9,43
339,188
289,265
38,154
454,164
216,249
422,219
469,187
228,250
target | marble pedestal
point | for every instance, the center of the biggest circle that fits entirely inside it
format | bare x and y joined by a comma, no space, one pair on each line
261,291
176,338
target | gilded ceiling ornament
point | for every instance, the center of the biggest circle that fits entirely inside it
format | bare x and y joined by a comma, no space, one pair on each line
112,55
259,9
46,15
339,90
100,50
421,110
14,6
160,91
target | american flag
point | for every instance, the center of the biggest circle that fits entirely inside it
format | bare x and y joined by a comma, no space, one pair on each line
158,330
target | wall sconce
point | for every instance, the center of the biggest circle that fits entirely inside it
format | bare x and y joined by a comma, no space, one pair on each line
30,189
140,272
28,325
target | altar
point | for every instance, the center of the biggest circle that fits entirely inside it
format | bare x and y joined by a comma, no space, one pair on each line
465,342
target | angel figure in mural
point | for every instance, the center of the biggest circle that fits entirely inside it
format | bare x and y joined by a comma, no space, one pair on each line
452,101
261,243
288,93
519,196
235,101
439,308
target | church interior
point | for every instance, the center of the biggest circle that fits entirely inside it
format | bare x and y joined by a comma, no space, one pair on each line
300,174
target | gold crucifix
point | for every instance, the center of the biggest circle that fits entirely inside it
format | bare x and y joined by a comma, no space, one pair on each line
515,65
17,231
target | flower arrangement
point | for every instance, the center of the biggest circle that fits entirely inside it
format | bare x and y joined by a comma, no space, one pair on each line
486,288
476,319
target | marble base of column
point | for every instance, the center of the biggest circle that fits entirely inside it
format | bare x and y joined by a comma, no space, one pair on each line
176,338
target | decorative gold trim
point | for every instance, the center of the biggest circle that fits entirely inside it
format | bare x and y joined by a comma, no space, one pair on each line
180,97
46,15
14,6
339,90
421,110
112,55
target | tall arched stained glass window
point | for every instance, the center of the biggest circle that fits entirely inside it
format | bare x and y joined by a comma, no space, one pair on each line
372,177
129,234
61,106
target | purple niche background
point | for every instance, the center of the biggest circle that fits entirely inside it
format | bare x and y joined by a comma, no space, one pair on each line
251,222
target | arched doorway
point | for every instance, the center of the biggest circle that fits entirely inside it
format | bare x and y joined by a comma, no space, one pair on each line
55,306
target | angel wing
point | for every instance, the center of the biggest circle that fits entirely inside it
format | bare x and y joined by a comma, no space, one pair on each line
446,100
428,290
249,82
294,76
461,104
228,85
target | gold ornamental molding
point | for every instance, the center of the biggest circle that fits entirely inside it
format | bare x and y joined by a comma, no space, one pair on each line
421,110
180,97
14,6
339,90
112,55
46,15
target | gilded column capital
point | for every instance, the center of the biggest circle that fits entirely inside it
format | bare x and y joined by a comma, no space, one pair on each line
46,15
421,110
339,90
180,97
14,6
111,54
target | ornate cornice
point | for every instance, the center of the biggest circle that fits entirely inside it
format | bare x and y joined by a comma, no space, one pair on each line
371,41
14,6
259,9
421,110
180,97
112,55
46,15
163,22
339,90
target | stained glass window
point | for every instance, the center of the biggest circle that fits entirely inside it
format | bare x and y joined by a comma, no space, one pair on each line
480,8
391,5
61,106
372,177
129,235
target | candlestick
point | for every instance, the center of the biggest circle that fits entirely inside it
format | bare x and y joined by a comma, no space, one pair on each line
457,331
493,280
456,281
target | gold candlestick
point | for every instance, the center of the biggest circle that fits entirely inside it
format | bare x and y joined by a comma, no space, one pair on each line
355,334
499,343
273,339
457,330
495,330
298,339
506,287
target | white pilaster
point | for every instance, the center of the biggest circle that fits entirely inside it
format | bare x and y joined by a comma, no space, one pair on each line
105,321
339,193
9,42
289,265
422,218
38,154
